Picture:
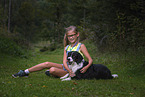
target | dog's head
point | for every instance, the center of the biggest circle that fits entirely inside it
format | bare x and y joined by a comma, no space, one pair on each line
74,56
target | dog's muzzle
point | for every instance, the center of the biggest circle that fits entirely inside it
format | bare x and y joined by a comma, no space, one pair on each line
70,60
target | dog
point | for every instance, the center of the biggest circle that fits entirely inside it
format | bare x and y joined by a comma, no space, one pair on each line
76,63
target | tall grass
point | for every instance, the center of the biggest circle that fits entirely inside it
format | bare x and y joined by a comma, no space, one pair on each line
129,66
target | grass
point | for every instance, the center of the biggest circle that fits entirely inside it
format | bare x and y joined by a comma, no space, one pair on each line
129,67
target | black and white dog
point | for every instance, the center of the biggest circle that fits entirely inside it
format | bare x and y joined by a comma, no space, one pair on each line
76,63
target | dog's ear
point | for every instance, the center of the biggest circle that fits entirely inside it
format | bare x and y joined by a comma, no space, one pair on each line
69,54
79,58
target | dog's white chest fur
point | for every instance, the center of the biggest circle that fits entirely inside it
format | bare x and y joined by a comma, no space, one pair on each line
74,67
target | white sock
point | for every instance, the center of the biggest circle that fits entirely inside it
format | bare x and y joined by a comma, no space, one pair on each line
27,71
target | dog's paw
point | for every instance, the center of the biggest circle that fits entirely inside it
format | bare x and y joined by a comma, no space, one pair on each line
66,79
65,76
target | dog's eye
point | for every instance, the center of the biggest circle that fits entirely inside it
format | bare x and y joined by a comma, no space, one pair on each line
68,59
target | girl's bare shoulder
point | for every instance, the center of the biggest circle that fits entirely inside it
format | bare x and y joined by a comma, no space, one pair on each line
82,47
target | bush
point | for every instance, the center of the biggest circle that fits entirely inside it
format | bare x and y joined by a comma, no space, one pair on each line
8,46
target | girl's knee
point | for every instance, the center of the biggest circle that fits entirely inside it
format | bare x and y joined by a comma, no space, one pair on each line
52,70
45,64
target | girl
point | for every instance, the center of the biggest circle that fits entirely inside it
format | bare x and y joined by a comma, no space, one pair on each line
71,43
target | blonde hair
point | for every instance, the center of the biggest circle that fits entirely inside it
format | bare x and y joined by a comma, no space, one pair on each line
70,28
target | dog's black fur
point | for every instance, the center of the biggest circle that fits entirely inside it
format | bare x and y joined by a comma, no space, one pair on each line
97,71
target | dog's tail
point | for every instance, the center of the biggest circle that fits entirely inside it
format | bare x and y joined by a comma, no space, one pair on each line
114,75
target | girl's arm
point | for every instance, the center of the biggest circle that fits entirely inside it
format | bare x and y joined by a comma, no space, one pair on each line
84,50
65,62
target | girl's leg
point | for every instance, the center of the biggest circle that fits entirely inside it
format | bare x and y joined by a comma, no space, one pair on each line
57,72
57,69
44,65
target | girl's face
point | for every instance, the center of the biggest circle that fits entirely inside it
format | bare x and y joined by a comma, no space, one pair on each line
72,37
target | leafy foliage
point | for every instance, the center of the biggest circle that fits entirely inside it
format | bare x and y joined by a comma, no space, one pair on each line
110,24
10,47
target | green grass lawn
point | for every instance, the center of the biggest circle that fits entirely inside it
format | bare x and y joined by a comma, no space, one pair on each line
131,82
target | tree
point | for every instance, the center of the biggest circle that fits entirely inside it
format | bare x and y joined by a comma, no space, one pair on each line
9,17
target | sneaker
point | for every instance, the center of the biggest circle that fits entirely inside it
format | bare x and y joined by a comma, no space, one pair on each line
47,73
21,73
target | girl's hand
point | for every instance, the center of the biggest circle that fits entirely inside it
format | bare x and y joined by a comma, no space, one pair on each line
84,50
71,74
83,70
